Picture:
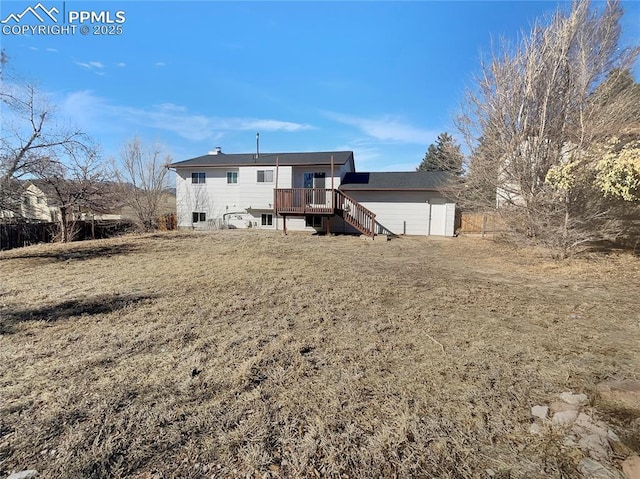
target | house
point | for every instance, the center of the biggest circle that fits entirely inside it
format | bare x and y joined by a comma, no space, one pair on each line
312,191
38,200
30,203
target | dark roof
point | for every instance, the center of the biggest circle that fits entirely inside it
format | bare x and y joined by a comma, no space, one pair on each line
405,180
267,159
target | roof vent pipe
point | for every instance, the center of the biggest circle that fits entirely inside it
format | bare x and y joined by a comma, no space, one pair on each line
257,145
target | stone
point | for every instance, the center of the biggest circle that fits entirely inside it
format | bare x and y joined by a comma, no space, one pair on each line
620,449
631,467
591,469
26,474
620,394
587,423
576,399
540,412
595,446
564,417
559,406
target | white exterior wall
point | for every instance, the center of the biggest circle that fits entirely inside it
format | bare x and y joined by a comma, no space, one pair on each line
237,204
338,173
408,212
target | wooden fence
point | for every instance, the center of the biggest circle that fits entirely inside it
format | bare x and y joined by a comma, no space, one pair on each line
481,223
17,235
168,222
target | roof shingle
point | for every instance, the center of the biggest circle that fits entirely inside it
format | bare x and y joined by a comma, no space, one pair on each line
267,159
405,180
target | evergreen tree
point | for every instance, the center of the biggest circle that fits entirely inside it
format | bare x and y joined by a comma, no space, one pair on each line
444,155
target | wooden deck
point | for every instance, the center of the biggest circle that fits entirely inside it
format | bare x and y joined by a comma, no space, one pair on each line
324,202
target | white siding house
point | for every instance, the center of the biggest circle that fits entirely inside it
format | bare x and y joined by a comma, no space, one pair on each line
297,191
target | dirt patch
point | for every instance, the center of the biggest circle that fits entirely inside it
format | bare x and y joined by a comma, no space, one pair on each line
315,356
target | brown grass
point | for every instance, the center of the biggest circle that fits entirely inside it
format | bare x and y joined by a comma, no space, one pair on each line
250,354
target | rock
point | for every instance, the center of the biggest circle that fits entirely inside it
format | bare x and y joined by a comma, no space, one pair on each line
620,449
612,436
540,412
596,446
576,399
27,474
587,424
564,417
560,406
591,469
631,467
620,394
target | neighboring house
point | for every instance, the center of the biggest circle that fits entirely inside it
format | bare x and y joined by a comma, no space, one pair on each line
38,201
314,191
32,204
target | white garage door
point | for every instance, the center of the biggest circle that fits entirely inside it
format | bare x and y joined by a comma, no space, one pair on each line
438,219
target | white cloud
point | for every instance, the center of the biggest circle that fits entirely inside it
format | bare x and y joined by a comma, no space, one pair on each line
385,128
121,65
90,65
53,50
35,49
160,64
95,111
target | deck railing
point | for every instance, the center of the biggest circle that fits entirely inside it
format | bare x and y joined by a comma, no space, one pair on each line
300,201
355,214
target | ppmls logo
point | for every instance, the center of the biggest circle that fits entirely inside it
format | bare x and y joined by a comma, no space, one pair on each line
39,20
39,11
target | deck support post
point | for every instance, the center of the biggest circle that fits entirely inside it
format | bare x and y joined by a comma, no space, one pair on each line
328,226
284,224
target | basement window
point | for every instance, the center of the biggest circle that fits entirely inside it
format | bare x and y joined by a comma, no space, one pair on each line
267,219
198,178
198,217
313,221
265,176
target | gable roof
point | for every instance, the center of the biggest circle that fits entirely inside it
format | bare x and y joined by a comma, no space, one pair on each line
404,180
267,159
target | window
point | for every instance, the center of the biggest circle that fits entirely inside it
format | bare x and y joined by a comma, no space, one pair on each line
265,176
313,221
232,177
198,217
198,178
267,219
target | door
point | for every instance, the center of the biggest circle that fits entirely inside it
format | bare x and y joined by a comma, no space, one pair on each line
437,222
315,182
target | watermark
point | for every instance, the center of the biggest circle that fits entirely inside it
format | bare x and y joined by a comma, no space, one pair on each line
57,20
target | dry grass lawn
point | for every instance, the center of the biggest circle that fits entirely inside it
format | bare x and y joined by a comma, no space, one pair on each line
249,354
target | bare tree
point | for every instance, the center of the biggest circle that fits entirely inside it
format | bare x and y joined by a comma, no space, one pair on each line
542,104
31,140
142,180
77,189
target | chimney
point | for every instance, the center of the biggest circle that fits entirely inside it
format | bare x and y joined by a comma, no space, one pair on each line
217,151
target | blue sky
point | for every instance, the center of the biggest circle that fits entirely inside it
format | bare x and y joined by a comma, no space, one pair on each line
380,78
